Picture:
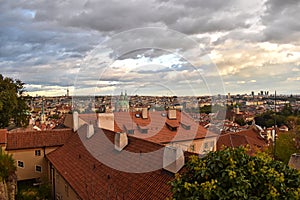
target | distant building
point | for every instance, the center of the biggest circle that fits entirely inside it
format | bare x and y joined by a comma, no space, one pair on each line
122,103
283,128
170,127
43,115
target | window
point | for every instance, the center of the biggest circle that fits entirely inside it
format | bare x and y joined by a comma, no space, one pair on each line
57,178
67,189
58,196
206,145
20,164
38,168
192,147
37,152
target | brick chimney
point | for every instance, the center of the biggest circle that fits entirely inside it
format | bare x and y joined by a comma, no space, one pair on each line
173,159
121,141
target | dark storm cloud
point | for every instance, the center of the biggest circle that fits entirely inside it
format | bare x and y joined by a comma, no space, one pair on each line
42,42
282,21
63,28
114,16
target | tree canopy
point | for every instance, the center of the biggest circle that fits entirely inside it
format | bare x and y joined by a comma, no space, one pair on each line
7,166
12,104
287,116
233,174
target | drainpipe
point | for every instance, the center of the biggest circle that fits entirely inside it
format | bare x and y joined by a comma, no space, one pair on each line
52,174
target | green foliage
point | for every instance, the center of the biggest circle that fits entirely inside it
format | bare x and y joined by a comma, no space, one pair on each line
269,118
285,147
55,116
12,103
7,166
26,191
206,109
287,116
292,122
44,191
232,174
240,121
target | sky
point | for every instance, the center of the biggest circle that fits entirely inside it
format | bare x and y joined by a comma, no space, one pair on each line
151,47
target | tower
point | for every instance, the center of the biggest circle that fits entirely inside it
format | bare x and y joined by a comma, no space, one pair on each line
43,116
123,103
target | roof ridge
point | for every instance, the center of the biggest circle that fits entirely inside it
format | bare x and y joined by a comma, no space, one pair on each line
131,136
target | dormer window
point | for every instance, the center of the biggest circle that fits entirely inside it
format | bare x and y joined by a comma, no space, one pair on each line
128,130
142,130
172,126
185,126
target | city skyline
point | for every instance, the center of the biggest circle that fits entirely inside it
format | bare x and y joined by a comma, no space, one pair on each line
251,46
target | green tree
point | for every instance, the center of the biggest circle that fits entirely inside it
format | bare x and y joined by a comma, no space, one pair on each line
287,110
12,104
269,118
7,166
232,174
240,121
285,147
292,122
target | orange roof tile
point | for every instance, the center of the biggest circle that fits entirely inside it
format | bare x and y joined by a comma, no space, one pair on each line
3,133
157,129
35,139
242,138
92,178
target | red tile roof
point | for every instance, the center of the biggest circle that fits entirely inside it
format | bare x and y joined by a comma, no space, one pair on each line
3,133
35,139
158,131
242,138
92,178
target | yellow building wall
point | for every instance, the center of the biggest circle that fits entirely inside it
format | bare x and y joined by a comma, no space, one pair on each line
62,189
199,146
30,160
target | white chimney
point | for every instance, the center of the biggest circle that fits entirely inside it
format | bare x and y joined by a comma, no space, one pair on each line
106,121
173,159
273,134
75,121
172,114
145,113
90,131
121,141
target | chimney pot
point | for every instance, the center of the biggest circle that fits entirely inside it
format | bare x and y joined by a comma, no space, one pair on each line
145,113
105,121
75,121
172,114
90,131
121,141
173,159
